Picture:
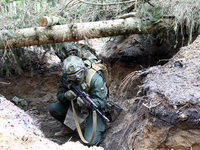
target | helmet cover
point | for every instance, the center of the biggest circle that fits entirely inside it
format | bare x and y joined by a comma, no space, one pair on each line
73,68
70,47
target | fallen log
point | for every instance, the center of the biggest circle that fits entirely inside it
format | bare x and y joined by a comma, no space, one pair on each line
76,31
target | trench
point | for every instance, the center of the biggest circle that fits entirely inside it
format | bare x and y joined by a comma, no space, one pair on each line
39,90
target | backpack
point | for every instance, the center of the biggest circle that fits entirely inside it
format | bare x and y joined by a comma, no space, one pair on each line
94,68
92,51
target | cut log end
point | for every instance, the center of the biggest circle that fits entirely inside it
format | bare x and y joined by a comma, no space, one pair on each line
43,22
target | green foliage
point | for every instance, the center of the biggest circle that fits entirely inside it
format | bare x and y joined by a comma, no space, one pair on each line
24,14
52,2
182,17
16,60
153,14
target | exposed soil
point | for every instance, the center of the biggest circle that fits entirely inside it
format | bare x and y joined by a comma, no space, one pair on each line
19,131
165,112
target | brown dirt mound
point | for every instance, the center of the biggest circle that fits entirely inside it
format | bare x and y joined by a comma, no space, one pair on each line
18,130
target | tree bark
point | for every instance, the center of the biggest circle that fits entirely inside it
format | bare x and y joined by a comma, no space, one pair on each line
75,32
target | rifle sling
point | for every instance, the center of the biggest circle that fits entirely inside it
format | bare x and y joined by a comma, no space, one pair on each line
78,126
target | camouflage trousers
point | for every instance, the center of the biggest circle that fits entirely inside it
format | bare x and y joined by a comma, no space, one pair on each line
59,110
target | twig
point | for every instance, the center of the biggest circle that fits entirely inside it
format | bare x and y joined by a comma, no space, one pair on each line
189,145
132,14
13,55
55,140
159,21
129,9
124,133
149,107
150,4
26,11
69,139
162,60
4,83
106,3
166,135
4,55
136,2
65,6
183,107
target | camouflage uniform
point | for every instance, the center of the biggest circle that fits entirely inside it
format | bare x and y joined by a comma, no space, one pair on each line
60,110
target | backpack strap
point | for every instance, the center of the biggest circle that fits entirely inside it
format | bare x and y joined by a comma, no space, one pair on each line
103,70
89,76
93,70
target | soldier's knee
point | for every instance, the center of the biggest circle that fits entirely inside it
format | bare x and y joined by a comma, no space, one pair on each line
51,108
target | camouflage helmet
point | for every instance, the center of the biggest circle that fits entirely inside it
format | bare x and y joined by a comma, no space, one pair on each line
74,69
71,48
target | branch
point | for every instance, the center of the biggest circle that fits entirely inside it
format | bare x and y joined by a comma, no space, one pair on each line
26,11
132,14
150,4
4,83
149,107
65,6
106,3
129,9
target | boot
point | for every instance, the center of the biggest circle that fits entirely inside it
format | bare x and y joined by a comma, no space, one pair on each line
64,131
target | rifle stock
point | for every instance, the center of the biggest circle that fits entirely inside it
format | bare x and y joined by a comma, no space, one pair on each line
84,97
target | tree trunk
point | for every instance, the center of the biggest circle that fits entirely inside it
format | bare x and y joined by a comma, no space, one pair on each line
75,32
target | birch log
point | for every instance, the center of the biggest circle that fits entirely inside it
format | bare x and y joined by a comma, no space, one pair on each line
75,32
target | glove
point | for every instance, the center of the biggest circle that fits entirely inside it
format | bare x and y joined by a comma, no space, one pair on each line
81,103
70,95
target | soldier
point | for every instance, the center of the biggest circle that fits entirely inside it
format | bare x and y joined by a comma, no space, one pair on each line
72,49
75,71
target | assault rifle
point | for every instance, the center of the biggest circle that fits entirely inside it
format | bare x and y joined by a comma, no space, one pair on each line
84,97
